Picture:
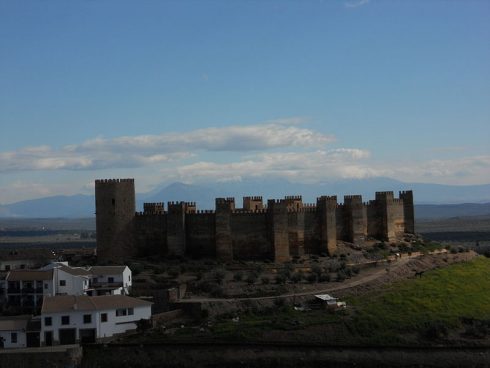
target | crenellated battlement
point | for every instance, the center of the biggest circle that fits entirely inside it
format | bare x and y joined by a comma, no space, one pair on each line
294,198
225,200
253,198
326,198
112,181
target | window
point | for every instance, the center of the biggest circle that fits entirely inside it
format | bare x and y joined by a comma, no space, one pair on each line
130,311
13,337
48,321
62,282
121,312
45,286
103,317
87,318
110,280
129,277
22,266
65,320
7,267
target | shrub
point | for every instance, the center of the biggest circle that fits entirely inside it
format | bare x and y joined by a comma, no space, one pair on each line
317,270
136,268
238,276
173,272
341,276
312,278
324,277
265,280
297,277
280,279
217,291
251,278
219,275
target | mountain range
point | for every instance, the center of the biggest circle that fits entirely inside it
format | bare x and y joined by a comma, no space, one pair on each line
432,200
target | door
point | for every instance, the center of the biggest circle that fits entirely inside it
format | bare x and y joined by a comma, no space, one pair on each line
33,339
68,336
87,335
48,338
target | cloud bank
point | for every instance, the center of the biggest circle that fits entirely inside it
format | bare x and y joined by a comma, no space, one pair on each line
283,148
137,151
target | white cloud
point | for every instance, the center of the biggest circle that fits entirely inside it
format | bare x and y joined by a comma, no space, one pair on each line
356,4
139,151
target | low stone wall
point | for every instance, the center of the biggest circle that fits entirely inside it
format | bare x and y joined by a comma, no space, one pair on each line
68,356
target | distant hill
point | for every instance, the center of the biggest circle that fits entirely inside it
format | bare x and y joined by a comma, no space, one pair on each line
431,199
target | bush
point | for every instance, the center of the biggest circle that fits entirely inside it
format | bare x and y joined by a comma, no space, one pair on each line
217,291
317,270
297,277
280,279
136,268
312,278
251,278
265,280
324,277
219,275
173,272
435,330
238,276
341,276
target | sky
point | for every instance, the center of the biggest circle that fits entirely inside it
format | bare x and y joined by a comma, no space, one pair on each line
206,91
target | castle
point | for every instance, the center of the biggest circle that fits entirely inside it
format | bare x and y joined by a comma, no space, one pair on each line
277,231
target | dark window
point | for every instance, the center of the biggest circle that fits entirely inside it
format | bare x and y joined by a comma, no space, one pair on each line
7,267
22,266
103,317
130,311
65,320
87,318
48,321
45,286
62,282
110,280
121,312
13,337
113,202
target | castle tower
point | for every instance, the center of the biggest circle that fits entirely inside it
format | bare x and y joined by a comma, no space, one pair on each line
385,217
326,207
115,209
176,239
224,244
278,220
294,202
355,218
252,203
153,208
408,211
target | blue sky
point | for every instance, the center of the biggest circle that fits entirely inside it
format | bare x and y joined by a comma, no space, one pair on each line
198,91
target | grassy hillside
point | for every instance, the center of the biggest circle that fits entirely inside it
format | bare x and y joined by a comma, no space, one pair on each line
454,297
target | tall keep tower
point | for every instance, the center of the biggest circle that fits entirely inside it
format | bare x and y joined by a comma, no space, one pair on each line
115,209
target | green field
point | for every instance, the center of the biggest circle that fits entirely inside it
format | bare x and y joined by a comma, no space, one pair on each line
442,299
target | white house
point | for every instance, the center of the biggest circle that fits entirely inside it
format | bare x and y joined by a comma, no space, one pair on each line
26,288
111,279
95,280
68,319
13,331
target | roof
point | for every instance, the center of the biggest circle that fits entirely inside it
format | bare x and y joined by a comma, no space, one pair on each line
107,270
68,303
14,323
76,271
29,275
325,297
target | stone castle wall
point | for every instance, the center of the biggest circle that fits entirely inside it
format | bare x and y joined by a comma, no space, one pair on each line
277,231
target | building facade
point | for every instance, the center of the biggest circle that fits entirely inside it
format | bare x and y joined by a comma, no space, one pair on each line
275,231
